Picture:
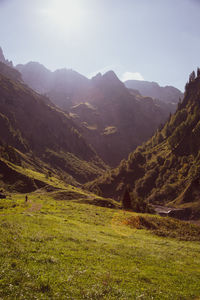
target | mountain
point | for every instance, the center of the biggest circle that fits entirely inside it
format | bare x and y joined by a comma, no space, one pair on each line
33,129
166,169
62,86
9,72
36,76
167,94
113,119
65,87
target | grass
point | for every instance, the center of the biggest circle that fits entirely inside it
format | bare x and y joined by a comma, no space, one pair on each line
109,130
166,227
62,249
52,181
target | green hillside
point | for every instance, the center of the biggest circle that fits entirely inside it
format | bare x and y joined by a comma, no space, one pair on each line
165,170
61,239
56,248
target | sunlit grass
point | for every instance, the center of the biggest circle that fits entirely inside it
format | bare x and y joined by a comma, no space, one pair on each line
67,250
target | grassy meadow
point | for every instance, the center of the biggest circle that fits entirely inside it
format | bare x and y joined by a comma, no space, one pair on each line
53,248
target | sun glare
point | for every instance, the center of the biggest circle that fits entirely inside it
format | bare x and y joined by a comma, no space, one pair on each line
65,13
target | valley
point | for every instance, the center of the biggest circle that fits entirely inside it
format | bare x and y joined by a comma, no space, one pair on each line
112,118
99,186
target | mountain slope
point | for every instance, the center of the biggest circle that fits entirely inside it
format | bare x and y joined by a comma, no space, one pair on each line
165,170
36,76
10,72
31,125
113,119
61,249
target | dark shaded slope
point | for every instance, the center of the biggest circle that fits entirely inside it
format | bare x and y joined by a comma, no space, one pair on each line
12,180
29,124
166,170
113,120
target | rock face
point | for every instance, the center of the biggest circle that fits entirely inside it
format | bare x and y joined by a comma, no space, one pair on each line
167,94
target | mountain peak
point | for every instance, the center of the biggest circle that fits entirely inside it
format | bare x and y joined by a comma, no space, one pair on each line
108,79
111,75
32,66
96,77
69,75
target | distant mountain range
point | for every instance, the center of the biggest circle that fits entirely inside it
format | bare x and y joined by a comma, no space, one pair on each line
167,94
112,118
166,169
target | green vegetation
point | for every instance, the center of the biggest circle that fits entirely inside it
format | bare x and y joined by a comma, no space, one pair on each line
166,169
164,226
64,249
60,241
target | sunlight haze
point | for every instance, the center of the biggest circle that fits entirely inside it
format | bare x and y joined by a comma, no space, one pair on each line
159,40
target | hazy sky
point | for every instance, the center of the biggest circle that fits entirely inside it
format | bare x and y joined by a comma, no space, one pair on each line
158,40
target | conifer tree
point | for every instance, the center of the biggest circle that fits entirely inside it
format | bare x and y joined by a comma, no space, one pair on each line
192,76
126,198
198,72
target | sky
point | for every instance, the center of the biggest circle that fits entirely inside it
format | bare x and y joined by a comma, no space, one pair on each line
153,40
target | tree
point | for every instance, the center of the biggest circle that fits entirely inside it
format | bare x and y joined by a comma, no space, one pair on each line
198,72
192,76
126,198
